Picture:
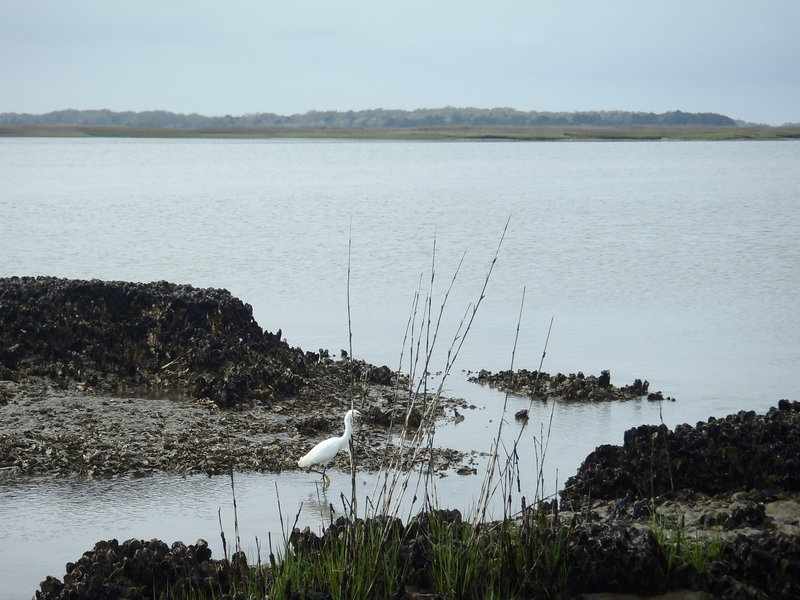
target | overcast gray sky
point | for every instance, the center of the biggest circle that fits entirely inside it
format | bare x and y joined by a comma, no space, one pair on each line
736,57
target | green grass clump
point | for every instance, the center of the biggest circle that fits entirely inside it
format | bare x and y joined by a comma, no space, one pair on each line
535,555
357,560
686,556
436,553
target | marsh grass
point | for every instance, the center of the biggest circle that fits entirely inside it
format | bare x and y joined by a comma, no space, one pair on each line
512,558
518,133
446,556
333,567
457,559
686,555
385,552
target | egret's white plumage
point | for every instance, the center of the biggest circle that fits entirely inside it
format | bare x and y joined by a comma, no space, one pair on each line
323,453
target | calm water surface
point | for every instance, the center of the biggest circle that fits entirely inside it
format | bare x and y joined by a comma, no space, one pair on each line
673,262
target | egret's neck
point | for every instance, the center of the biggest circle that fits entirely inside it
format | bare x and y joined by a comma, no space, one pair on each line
348,426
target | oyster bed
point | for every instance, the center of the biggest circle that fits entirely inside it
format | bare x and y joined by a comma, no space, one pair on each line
45,431
610,543
103,379
540,385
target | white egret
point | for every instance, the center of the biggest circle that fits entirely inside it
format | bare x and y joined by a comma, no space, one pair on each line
323,453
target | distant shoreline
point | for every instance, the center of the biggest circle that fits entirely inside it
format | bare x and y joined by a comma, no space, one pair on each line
488,133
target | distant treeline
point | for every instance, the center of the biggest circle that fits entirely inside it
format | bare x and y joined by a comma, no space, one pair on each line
377,118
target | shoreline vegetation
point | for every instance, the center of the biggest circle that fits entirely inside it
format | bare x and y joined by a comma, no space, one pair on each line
448,123
454,133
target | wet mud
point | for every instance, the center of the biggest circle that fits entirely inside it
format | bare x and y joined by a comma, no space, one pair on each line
103,379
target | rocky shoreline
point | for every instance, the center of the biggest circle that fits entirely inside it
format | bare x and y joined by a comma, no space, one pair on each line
737,477
740,452
49,432
114,336
104,379
539,385
610,545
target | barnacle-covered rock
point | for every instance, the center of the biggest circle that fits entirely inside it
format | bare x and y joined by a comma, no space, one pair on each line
739,452
575,386
114,335
138,569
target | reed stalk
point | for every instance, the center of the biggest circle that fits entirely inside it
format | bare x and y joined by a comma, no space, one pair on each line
526,554
395,476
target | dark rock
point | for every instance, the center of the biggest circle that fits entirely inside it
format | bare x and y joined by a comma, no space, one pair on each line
121,336
392,416
621,505
313,425
382,375
51,587
575,386
10,355
749,514
762,566
638,388
145,569
740,452
140,335
621,559
604,380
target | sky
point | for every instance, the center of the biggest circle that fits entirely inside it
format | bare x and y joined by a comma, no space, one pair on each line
740,58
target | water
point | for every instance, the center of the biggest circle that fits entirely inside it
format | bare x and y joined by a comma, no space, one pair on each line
674,262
